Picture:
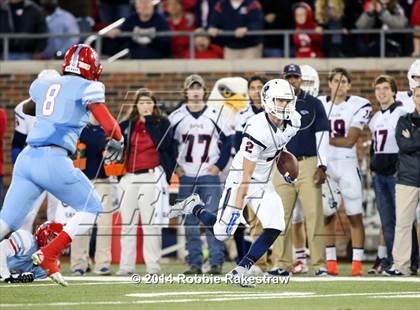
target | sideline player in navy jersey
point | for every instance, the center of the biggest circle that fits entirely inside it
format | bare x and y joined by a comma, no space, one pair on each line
63,108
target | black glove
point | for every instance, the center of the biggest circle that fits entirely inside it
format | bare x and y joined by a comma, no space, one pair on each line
114,150
25,277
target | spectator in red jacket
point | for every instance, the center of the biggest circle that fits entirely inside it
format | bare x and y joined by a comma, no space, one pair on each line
179,20
415,22
307,45
3,127
204,49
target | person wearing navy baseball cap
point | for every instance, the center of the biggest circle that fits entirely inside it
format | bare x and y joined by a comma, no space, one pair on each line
312,174
292,70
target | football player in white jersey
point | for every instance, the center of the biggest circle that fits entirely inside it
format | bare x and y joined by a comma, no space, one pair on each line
310,84
413,76
385,155
249,180
23,125
255,85
204,140
347,115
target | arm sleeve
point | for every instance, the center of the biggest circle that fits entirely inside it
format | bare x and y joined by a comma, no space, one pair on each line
3,123
106,120
161,133
410,144
361,116
216,17
321,121
254,20
397,20
93,93
225,142
322,144
365,21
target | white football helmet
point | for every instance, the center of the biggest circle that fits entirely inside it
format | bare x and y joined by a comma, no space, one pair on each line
48,74
278,89
310,80
413,71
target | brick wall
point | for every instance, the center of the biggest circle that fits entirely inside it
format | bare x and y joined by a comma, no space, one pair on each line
14,88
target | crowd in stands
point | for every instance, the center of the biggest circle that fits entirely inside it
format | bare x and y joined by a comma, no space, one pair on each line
208,17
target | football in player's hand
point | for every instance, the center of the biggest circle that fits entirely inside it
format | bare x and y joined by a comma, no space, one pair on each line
287,162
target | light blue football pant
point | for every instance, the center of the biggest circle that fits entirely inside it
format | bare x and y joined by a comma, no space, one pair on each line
46,168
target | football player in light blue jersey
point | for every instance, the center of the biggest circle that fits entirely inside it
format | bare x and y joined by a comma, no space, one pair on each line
16,265
63,108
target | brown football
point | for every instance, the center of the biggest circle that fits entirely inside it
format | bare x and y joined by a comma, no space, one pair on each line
287,162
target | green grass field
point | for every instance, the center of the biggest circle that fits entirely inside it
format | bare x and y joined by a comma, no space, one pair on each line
302,292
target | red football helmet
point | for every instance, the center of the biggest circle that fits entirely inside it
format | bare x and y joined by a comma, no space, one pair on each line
46,232
83,60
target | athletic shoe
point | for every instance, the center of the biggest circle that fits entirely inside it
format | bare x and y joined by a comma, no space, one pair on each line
239,276
78,272
356,268
278,272
59,279
186,206
49,264
377,267
332,267
193,270
321,272
104,271
255,271
392,272
299,267
124,273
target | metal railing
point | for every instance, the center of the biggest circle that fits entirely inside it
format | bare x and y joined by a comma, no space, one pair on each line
98,37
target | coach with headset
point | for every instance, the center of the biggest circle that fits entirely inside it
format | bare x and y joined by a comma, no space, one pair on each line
309,146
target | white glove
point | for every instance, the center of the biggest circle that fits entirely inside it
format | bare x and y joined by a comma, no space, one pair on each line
293,124
114,150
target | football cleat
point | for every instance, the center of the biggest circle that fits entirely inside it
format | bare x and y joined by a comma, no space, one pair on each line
392,272
255,271
239,276
332,267
321,272
278,272
378,266
299,267
185,206
356,268
59,279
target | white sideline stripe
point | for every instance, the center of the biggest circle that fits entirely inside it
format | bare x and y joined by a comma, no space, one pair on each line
243,297
223,293
397,296
178,293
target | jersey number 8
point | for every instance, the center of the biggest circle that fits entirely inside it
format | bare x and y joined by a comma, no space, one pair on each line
49,102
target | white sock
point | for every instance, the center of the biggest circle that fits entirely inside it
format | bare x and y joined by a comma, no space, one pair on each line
300,254
382,251
358,254
79,224
4,229
331,253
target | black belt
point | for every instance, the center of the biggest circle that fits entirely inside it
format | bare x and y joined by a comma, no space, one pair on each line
140,171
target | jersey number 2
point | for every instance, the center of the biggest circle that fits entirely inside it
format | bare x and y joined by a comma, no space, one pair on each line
49,102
